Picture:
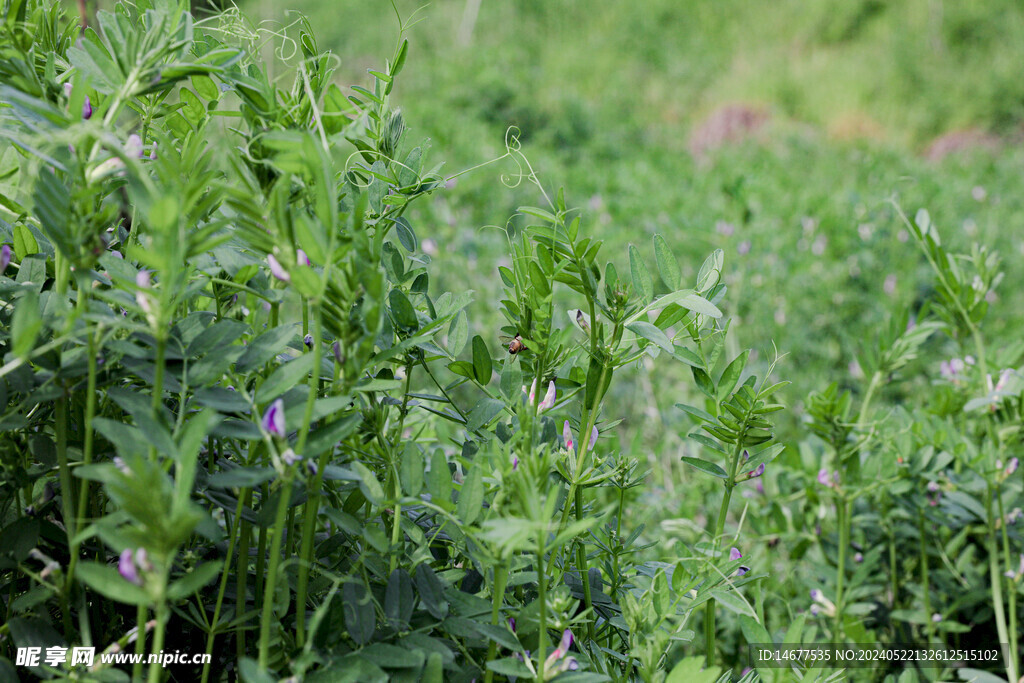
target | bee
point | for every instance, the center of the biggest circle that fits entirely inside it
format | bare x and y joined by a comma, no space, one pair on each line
515,344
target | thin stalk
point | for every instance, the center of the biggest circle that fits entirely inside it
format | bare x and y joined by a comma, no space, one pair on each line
312,507
497,598
221,589
925,584
87,447
242,573
140,641
723,512
997,583
542,596
1011,591
843,512
275,562
156,668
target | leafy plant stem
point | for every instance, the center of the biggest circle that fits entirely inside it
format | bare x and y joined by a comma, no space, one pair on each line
997,581
843,513
158,635
925,585
542,618
497,598
723,512
311,510
222,588
275,562
1011,589
242,572
87,447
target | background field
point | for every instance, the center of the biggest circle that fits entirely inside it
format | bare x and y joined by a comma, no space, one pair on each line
611,102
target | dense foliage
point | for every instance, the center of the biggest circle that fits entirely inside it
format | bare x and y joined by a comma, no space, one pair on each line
240,410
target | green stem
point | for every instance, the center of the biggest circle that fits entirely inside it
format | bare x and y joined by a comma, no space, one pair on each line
140,641
723,512
925,584
312,507
497,599
1011,591
275,562
156,668
242,573
222,588
87,446
997,583
542,597
843,512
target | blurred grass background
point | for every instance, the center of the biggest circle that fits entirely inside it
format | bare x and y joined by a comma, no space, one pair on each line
828,110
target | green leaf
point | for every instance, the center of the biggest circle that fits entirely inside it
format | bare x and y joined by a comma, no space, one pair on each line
411,469
458,333
284,378
106,581
689,300
642,284
704,383
402,310
731,375
691,670
482,414
732,602
368,483
431,592
25,325
24,242
241,477
510,667
360,616
706,467
668,267
265,347
482,366
511,384
399,600
711,272
652,334
194,580
471,497
439,480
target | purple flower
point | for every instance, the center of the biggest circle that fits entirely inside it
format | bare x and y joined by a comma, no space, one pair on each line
308,341
301,258
5,257
1012,466
336,347
756,472
858,558
815,594
567,436
273,419
512,624
936,618
742,570
86,108
126,567
515,463
744,247
276,270
142,560
735,554
290,457
143,279
152,152
823,477
311,468
549,398
133,146
933,487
